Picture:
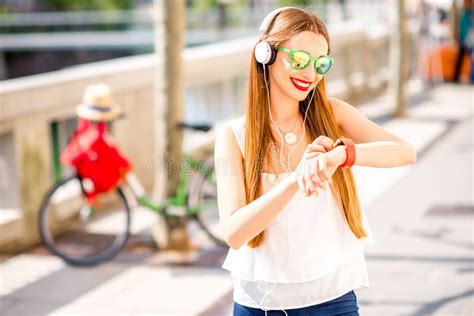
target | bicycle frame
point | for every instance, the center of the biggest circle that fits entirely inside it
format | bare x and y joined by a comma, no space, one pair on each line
178,204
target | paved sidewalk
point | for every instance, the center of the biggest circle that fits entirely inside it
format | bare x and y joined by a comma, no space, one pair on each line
422,260
420,264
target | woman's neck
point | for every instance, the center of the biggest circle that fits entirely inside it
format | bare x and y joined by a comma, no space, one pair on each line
282,107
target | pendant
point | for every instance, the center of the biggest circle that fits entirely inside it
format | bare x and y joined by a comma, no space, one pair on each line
290,138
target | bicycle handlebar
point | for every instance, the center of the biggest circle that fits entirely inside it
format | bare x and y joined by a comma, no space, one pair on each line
195,127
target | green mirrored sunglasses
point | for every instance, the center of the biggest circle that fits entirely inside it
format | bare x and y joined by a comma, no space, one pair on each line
299,60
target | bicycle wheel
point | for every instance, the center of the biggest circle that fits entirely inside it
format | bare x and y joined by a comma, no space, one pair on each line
82,235
203,197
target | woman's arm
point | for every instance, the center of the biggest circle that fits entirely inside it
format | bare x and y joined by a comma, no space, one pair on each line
240,222
375,147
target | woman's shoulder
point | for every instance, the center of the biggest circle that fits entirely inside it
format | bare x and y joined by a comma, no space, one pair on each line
339,108
230,132
237,121
234,126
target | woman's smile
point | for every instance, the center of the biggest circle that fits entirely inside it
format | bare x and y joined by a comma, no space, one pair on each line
300,84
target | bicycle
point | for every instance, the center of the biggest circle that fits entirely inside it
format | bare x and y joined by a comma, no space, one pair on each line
85,235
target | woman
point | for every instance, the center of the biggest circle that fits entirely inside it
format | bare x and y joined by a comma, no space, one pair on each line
287,199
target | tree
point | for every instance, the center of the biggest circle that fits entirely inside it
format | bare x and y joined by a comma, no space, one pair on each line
399,62
169,96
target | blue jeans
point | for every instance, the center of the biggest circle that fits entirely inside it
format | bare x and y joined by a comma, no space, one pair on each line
345,305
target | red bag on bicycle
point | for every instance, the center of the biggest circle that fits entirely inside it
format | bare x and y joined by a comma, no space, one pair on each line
95,156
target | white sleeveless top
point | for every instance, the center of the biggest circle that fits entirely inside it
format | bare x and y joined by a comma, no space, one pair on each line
309,252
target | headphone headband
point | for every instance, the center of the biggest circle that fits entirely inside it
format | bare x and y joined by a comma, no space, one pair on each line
269,19
265,54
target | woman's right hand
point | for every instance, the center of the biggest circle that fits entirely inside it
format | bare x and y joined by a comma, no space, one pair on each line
320,145
306,183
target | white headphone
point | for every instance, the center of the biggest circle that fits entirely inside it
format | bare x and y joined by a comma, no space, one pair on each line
265,54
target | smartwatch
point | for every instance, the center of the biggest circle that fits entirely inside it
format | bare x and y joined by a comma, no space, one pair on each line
350,151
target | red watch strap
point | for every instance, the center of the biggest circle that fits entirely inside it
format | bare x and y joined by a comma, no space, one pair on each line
350,151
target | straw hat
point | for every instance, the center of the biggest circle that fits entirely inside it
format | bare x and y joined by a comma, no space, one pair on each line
98,104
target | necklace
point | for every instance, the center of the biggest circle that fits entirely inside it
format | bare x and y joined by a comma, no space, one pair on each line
285,159
290,137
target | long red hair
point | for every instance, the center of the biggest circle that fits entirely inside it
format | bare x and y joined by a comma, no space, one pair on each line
320,121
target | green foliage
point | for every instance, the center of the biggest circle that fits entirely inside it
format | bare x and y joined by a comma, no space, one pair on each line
294,3
204,4
4,9
79,5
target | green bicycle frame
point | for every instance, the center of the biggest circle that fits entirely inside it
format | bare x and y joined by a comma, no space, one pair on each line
180,200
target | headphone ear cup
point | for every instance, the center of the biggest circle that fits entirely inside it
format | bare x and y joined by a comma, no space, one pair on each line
265,54
272,56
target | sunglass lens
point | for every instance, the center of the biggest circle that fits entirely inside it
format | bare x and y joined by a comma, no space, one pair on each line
300,60
322,65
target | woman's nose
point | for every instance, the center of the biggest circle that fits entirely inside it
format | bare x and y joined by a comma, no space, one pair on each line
309,74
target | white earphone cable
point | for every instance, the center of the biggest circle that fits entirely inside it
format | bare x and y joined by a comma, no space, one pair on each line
278,130
288,162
